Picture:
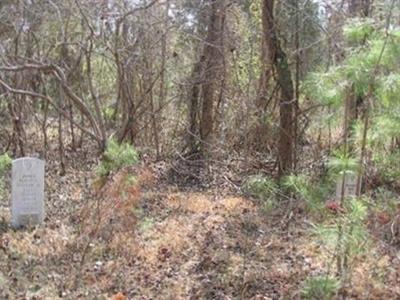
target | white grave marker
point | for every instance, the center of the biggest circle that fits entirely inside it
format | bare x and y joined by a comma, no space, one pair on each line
27,195
350,186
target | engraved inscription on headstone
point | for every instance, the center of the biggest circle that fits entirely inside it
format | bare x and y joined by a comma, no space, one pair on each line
350,186
27,196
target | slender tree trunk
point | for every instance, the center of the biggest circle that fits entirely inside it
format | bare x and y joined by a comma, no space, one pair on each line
297,84
193,134
125,84
359,8
71,125
278,60
44,128
213,63
163,88
96,100
155,128
193,130
61,148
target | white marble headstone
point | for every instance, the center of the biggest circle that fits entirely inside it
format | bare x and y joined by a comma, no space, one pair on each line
27,195
350,186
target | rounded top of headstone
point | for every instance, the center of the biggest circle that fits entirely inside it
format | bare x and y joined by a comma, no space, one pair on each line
28,160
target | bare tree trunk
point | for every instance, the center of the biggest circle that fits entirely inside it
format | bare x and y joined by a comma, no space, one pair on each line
17,133
153,110
278,59
125,84
16,110
163,88
96,101
193,134
265,75
213,62
297,85
353,7
71,125
359,8
61,150
44,128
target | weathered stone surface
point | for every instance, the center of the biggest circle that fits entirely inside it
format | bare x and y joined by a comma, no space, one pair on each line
350,186
27,196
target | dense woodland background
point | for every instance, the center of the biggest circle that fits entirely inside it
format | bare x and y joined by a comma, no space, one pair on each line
237,117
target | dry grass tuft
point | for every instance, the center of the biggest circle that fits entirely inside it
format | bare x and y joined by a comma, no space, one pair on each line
40,242
190,202
111,216
116,202
237,204
166,240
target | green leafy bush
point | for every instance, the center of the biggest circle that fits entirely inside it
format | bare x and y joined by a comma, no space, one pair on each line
302,187
320,288
347,237
116,157
349,231
357,30
109,113
325,87
262,188
388,165
342,163
388,89
385,200
5,162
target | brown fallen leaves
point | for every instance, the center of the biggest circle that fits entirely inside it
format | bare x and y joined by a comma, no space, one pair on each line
118,296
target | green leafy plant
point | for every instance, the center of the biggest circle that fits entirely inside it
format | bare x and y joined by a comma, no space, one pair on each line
116,157
325,87
369,75
342,163
385,200
303,187
146,224
262,188
108,113
357,30
388,165
5,162
346,237
320,288
344,234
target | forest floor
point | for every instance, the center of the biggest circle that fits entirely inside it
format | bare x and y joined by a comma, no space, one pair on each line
144,237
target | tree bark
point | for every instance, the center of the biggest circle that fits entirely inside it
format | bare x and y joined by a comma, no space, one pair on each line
193,136
281,71
213,63
359,8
